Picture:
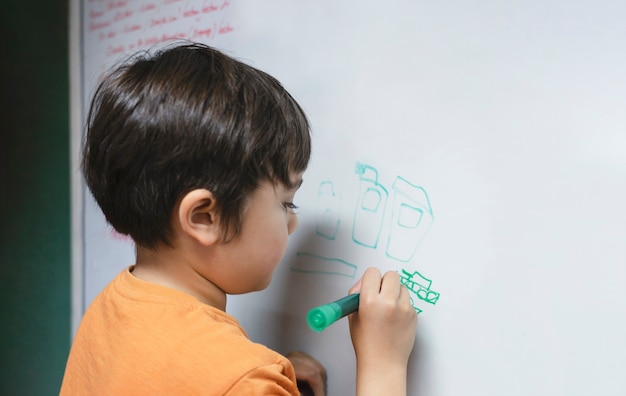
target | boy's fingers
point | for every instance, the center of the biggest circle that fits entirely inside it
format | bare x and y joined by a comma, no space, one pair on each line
371,281
404,295
391,285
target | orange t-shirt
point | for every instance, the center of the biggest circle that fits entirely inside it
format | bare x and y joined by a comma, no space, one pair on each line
139,338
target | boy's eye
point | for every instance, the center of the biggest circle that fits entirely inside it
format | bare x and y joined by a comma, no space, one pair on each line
290,206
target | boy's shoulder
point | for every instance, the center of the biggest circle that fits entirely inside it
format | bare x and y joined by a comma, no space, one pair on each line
133,323
160,322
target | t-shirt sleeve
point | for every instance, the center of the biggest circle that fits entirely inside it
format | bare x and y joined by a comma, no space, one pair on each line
272,379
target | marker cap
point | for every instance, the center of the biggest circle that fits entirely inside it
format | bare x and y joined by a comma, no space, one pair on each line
323,316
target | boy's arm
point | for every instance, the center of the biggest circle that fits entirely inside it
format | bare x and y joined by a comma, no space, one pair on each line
383,333
374,381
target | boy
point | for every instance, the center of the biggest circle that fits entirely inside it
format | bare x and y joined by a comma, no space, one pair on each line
197,157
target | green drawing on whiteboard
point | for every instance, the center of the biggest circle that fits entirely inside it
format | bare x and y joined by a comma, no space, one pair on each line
420,287
411,218
315,264
370,208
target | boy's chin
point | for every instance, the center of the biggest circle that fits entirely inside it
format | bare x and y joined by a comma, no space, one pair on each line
260,286
264,285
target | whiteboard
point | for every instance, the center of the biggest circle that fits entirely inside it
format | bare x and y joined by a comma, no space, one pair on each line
478,148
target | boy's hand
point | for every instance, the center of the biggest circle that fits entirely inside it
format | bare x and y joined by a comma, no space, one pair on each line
310,373
383,332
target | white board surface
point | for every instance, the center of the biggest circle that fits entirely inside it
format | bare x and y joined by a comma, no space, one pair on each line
479,148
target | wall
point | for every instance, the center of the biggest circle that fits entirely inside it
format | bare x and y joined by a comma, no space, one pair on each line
34,197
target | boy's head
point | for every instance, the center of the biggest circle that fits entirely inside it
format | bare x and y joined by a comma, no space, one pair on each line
188,117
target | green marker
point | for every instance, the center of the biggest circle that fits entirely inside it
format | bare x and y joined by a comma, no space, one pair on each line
323,316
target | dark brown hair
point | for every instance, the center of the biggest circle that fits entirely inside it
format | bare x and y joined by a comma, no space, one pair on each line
187,117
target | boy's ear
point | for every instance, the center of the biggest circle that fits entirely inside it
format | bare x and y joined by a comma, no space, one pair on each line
197,214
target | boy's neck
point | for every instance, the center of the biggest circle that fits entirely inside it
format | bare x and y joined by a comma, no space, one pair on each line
167,267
